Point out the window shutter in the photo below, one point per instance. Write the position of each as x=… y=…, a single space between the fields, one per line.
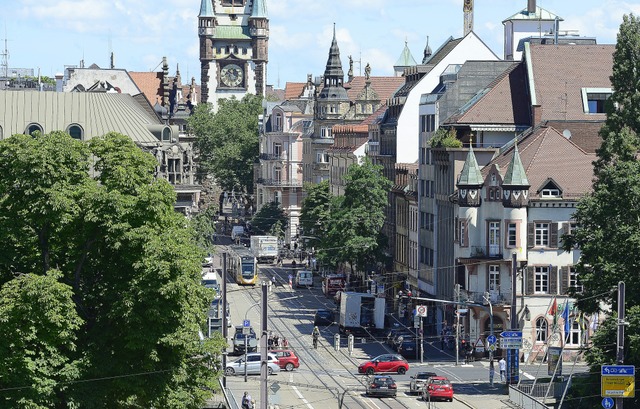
x=529 y=287
x=553 y=238
x=466 y=233
x=456 y=234
x=531 y=239
x=565 y=228
x=505 y=236
x=564 y=279
x=553 y=280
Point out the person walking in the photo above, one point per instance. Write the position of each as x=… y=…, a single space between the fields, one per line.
x=503 y=369
x=492 y=371
x=285 y=343
x=315 y=334
x=247 y=402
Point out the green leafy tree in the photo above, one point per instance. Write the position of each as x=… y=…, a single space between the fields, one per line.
x=129 y=258
x=267 y=217
x=356 y=218
x=444 y=138
x=315 y=211
x=38 y=335
x=608 y=219
x=204 y=227
x=227 y=141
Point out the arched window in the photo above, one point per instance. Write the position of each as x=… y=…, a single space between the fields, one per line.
x=75 y=131
x=33 y=128
x=166 y=134
x=542 y=329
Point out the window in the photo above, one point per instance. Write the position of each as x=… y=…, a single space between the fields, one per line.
x=463 y=233
x=494 y=238
x=541 y=280
x=542 y=329
x=277 y=174
x=574 y=280
x=33 y=128
x=494 y=278
x=277 y=122
x=166 y=134
x=174 y=171
x=277 y=149
x=322 y=157
x=233 y=2
x=75 y=131
x=545 y=193
x=594 y=99
x=575 y=334
x=512 y=235
x=325 y=132
x=542 y=234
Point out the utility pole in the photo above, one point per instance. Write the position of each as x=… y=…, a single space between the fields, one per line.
x=620 y=337
x=264 y=372
x=457 y=295
x=225 y=334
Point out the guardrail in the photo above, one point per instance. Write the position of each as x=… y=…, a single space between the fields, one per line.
x=523 y=400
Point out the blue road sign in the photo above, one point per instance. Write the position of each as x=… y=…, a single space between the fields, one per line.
x=511 y=334
x=626 y=370
x=246 y=323
x=607 y=403
x=492 y=339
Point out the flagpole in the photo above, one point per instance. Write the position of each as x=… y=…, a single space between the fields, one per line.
x=546 y=342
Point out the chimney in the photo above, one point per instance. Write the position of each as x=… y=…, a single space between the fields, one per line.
x=59 y=82
x=531 y=6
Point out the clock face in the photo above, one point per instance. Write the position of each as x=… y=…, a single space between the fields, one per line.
x=231 y=75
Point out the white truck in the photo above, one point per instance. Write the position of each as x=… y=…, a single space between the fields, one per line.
x=265 y=248
x=360 y=313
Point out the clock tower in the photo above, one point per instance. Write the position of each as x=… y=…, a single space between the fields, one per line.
x=234 y=37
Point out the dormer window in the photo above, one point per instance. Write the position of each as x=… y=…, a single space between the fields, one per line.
x=550 y=190
x=594 y=99
x=555 y=193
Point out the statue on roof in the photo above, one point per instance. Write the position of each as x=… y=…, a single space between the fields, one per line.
x=350 y=73
x=367 y=71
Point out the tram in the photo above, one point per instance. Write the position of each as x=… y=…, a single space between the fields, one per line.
x=242 y=265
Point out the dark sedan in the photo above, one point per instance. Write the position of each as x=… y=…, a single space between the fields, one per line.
x=382 y=385
x=323 y=317
x=408 y=348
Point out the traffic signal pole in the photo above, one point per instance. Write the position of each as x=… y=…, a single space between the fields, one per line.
x=620 y=335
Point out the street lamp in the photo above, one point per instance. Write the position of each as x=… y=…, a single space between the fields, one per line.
x=246 y=338
x=487 y=298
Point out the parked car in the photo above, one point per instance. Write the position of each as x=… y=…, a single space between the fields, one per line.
x=382 y=385
x=395 y=333
x=238 y=341
x=408 y=348
x=323 y=317
x=287 y=359
x=385 y=363
x=438 y=387
x=419 y=380
x=402 y=336
x=253 y=365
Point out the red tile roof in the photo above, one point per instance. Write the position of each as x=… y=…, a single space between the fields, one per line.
x=293 y=90
x=561 y=71
x=149 y=83
x=385 y=87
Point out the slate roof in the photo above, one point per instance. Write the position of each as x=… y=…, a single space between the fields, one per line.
x=385 y=87
x=559 y=72
x=503 y=102
x=96 y=113
x=206 y=9
x=546 y=154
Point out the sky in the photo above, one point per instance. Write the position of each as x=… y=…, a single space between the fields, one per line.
x=47 y=35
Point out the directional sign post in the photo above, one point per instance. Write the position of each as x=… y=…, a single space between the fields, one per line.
x=617 y=381
x=511 y=334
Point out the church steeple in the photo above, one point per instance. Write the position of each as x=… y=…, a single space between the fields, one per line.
x=206 y=9
x=515 y=185
x=333 y=74
x=259 y=9
x=470 y=182
x=405 y=60
x=427 y=52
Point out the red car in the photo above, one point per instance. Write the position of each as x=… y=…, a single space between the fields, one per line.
x=287 y=359
x=438 y=387
x=385 y=363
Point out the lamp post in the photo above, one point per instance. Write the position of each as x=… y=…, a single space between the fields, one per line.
x=487 y=298
x=246 y=339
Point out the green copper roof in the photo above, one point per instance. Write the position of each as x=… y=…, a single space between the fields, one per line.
x=206 y=9
x=515 y=175
x=471 y=174
x=259 y=9
x=233 y=32
x=406 y=59
x=540 y=14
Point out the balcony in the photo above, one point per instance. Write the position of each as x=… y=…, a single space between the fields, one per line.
x=321 y=166
x=272 y=156
x=279 y=183
x=481 y=252
x=496 y=297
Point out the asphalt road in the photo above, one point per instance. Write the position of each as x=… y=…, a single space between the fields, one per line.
x=325 y=375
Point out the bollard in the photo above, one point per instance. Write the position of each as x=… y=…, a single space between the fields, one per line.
x=350 y=344
x=336 y=342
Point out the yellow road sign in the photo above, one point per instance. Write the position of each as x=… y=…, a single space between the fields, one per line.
x=618 y=386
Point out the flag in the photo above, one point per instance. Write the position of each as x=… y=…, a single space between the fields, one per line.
x=594 y=321
x=565 y=317
x=553 y=311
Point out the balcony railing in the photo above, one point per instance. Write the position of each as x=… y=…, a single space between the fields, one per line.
x=272 y=156
x=482 y=253
x=321 y=166
x=496 y=297
x=279 y=183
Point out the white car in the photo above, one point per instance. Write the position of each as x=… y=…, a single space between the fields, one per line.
x=253 y=365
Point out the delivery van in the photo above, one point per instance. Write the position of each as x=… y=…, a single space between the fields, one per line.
x=304 y=278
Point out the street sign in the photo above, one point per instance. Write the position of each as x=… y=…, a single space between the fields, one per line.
x=492 y=348
x=607 y=403
x=617 y=370
x=274 y=387
x=491 y=339
x=511 y=343
x=618 y=386
x=511 y=334
x=421 y=310
x=479 y=345
x=246 y=323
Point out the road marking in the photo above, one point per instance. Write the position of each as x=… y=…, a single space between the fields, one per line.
x=527 y=375
x=301 y=397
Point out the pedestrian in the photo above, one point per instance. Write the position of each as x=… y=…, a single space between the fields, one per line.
x=492 y=372
x=285 y=343
x=503 y=369
x=276 y=341
x=247 y=402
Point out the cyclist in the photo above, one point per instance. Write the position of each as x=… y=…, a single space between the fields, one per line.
x=316 y=335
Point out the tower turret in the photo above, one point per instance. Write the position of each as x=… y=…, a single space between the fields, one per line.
x=470 y=182
x=515 y=185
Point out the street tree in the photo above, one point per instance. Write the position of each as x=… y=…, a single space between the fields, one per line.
x=227 y=141
x=270 y=214
x=314 y=213
x=608 y=218
x=129 y=259
x=357 y=217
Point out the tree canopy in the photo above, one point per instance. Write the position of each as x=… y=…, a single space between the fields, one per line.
x=270 y=220
x=314 y=214
x=91 y=240
x=608 y=219
x=227 y=141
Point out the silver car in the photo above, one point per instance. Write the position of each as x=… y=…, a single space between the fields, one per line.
x=419 y=380
x=253 y=365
